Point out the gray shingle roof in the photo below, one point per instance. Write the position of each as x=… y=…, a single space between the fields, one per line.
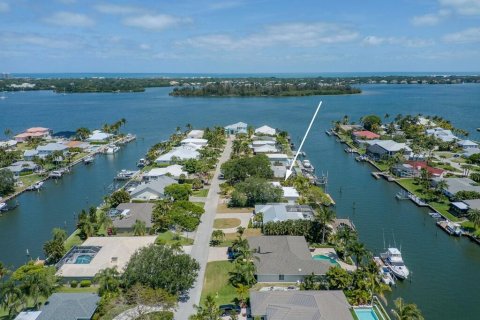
x=157 y=186
x=136 y=211
x=300 y=305
x=286 y=255
x=69 y=306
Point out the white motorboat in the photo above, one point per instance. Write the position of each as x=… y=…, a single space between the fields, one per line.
x=36 y=186
x=3 y=206
x=112 y=149
x=394 y=261
x=56 y=174
x=88 y=160
x=125 y=174
x=141 y=163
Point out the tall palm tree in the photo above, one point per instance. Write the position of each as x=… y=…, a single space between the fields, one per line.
x=406 y=311
x=218 y=236
x=139 y=228
x=242 y=292
x=209 y=311
x=108 y=280
x=324 y=216
x=7 y=132
x=474 y=217
x=358 y=250
x=13 y=298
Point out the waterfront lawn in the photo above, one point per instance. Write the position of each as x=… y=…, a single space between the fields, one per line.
x=168 y=238
x=200 y=193
x=217 y=283
x=442 y=207
x=468 y=225
x=73 y=240
x=382 y=165
x=28 y=180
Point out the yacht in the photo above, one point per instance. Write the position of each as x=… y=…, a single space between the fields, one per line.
x=125 y=175
x=36 y=186
x=56 y=174
x=112 y=149
x=393 y=260
x=88 y=160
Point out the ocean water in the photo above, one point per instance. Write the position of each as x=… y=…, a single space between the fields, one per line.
x=445 y=277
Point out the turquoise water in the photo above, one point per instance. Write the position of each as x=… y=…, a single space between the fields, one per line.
x=322 y=257
x=366 y=314
x=433 y=258
x=83 y=259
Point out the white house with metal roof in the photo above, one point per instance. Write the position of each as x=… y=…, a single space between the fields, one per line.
x=195 y=134
x=379 y=149
x=236 y=128
x=195 y=141
x=467 y=144
x=99 y=136
x=50 y=148
x=265 y=130
x=442 y=134
x=175 y=170
x=180 y=153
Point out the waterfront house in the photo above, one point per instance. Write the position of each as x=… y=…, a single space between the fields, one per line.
x=35 y=132
x=7 y=145
x=267 y=148
x=289 y=193
x=125 y=215
x=350 y=127
x=195 y=134
x=99 y=136
x=467 y=144
x=279 y=170
x=98 y=253
x=194 y=141
x=22 y=167
x=266 y=131
x=28 y=155
x=236 y=128
x=275 y=212
x=425 y=122
x=284 y=259
x=262 y=142
x=305 y=305
x=442 y=134
x=278 y=158
x=152 y=190
x=459 y=208
x=77 y=144
x=174 y=171
x=49 y=148
x=64 y=306
x=455 y=185
x=364 y=135
x=380 y=149
x=180 y=153
x=412 y=169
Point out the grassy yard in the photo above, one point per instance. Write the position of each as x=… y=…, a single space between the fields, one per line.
x=200 y=193
x=200 y=204
x=168 y=238
x=229 y=237
x=217 y=283
x=73 y=240
x=226 y=223
x=28 y=180
x=441 y=207
x=68 y=289
x=223 y=208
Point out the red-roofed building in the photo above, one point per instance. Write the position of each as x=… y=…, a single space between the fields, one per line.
x=435 y=172
x=36 y=132
x=365 y=135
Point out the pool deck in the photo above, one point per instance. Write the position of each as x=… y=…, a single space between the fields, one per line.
x=331 y=253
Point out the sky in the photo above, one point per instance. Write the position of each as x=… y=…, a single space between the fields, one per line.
x=239 y=36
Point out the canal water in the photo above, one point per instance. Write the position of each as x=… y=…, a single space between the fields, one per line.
x=445 y=270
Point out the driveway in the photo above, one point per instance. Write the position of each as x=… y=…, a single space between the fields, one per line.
x=200 y=248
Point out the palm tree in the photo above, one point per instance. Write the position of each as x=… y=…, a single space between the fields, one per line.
x=406 y=311
x=7 y=132
x=242 y=292
x=209 y=311
x=13 y=298
x=188 y=126
x=218 y=236
x=108 y=280
x=324 y=216
x=241 y=230
x=139 y=228
x=358 y=250
x=474 y=217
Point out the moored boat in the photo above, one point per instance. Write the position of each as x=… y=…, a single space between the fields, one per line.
x=35 y=186
x=88 y=160
x=450 y=227
x=125 y=174
x=141 y=163
x=112 y=149
x=55 y=174
x=394 y=261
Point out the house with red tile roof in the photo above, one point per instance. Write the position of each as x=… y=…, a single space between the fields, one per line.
x=365 y=135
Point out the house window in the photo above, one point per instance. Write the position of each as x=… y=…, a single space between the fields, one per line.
x=281 y=277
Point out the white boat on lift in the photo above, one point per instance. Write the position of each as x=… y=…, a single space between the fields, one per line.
x=112 y=149
x=394 y=261
x=88 y=160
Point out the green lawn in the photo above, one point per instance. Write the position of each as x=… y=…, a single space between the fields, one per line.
x=68 y=289
x=200 y=204
x=28 y=180
x=73 y=240
x=226 y=223
x=200 y=193
x=217 y=283
x=168 y=238
x=441 y=207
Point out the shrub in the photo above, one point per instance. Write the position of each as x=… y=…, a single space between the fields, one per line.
x=85 y=283
x=73 y=284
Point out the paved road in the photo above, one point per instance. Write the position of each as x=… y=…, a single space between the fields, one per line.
x=201 y=243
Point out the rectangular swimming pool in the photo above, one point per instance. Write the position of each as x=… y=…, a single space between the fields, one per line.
x=366 y=314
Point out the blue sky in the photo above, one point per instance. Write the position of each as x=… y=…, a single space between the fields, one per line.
x=239 y=36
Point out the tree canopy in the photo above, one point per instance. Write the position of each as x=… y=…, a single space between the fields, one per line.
x=254 y=191
x=237 y=170
x=7 y=182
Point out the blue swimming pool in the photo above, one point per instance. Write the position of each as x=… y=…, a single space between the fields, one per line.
x=325 y=258
x=83 y=259
x=366 y=314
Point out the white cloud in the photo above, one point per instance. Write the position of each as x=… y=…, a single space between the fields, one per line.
x=289 y=34
x=4 y=7
x=464 y=7
x=116 y=9
x=70 y=19
x=33 y=39
x=430 y=19
x=155 y=22
x=225 y=5
x=470 y=35
x=399 y=41
x=145 y=46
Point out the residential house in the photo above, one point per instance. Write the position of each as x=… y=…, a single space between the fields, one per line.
x=152 y=190
x=304 y=305
x=195 y=134
x=289 y=193
x=77 y=144
x=467 y=144
x=236 y=128
x=259 y=143
x=267 y=148
x=358 y=136
x=194 y=141
x=455 y=185
x=28 y=155
x=279 y=170
x=9 y=144
x=125 y=215
x=278 y=158
x=442 y=134
x=19 y=167
x=36 y=132
x=265 y=130
x=380 y=149
x=65 y=306
x=175 y=171
x=284 y=259
x=412 y=169
x=425 y=122
x=99 y=136
x=275 y=212
x=179 y=153
x=48 y=149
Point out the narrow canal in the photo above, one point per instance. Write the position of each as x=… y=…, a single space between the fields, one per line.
x=445 y=270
